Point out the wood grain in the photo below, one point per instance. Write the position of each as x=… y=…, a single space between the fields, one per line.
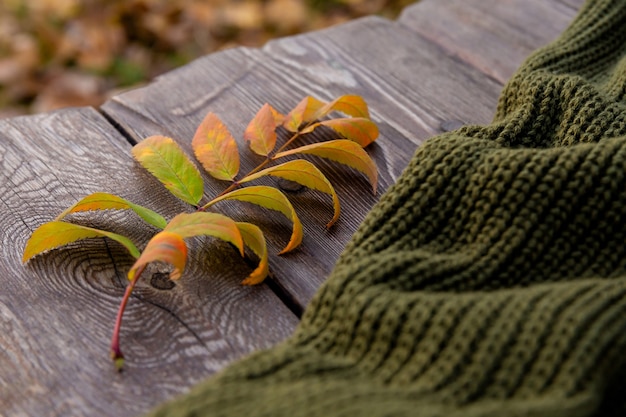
x=412 y=88
x=495 y=36
x=57 y=312
x=574 y=4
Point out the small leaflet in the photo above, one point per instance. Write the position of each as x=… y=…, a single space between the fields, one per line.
x=164 y=247
x=343 y=151
x=164 y=159
x=216 y=149
x=271 y=198
x=54 y=234
x=305 y=173
x=261 y=132
x=254 y=239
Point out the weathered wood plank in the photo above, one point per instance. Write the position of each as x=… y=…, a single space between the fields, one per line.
x=495 y=36
x=574 y=4
x=412 y=87
x=57 y=312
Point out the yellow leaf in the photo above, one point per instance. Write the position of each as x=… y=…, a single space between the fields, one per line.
x=304 y=112
x=261 y=132
x=343 y=151
x=106 y=201
x=54 y=234
x=305 y=173
x=358 y=129
x=254 y=239
x=216 y=149
x=271 y=198
x=164 y=247
x=169 y=164
x=208 y=224
x=279 y=118
x=352 y=105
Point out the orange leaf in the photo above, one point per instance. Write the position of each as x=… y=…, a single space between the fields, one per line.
x=261 y=131
x=209 y=224
x=343 y=151
x=358 y=129
x=352 y=105
x=216 y=148
x=163 y=247
x=304 y=112
x=254 y=239
x=53 y=234
x=169 y=164
x=305 y=173
x=271 y=198
x=106 y=201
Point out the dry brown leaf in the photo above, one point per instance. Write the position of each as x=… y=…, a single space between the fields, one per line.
x=40 y=39
x=286 y=15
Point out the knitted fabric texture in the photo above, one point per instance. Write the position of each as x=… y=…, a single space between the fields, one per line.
x=490 y=280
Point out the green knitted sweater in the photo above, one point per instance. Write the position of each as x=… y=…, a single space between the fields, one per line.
x=490 y=280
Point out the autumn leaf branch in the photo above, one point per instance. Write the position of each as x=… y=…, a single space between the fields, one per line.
x=216 y=150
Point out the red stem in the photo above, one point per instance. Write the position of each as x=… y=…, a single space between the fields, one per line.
x=116 y=352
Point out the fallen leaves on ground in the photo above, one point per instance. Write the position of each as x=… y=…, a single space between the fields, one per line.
x=59 y=53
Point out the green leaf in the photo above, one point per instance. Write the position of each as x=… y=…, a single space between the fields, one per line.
x=343 y=151
x=271 y=198
x=164 y=247
x=254 y=239
x=106 y=201
x=208 y=224
x=169 y=164
x=54 y=234
x=305 y=173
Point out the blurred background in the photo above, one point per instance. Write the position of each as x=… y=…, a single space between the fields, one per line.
x=59 y=53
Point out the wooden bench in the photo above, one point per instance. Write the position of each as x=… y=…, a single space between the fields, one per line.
x=440 y=65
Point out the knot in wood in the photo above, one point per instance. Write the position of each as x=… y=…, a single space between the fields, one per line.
x=162 y=281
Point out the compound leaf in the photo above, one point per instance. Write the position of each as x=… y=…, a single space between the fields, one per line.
x=254 y=239
x=305 y=173
x=216 y=149
x=164 y=247
x=271 y=198
x=343 y=151
x=169 y=164
x=106 y=201
x=208 y=224
x=54 y=234
x=261 y=131
x=304 y=112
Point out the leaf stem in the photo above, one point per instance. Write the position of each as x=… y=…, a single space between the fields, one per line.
x=289 y=141
x=116 y=352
